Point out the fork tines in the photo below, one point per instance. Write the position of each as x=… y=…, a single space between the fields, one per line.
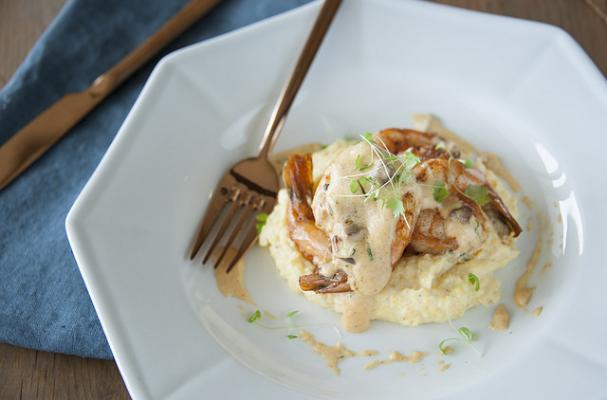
x=231 y=211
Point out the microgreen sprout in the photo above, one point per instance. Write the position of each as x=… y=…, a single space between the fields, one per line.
x=368 y=136
x=480 y=194
x=397 y=169
x=289 y=325
x=395 y=204
x=254 y=317
x=468 y=163
x=474 y=281
x=358 y=163
x=466 y=335
x=442 y=347
x=261 y=218
x=440 y=191
x=440 y=146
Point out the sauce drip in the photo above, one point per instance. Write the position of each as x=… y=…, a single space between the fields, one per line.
x=443 y=366
x=232 y=284
x=493 y=162
x=528 y=202
x=332 y=354
x=522 y=292
x=396 y=356
x=362 y=232
x=501 y=319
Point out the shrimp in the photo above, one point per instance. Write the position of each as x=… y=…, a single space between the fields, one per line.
x=458 y=179
x=441 y=163
x=422 y=144
x=429 y=236
x=398 y=140
x=311 y=241
x=404 y=230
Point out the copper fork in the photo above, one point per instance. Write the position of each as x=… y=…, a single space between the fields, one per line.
x=250 y=186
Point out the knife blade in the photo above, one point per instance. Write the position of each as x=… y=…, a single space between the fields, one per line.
x=48 y=127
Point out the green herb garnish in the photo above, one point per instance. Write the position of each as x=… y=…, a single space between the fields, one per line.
x=370 y=253
x=440 y=146
x=292 y=313
x=442 y=347
x=398 y=169
x=473 y=279
x=261 y=218
x=368 y=136
x=292 y=336
x=254 y=317
x=466 y=334
x=409 y=160
x=440 y=191
x=358 y=163
x=468 y=163
x=396 y=205
x=480 y=194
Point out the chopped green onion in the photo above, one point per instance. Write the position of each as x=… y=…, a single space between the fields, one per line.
x=440 y=192
x=292 y=336
x=254 y=317
x=292 y=313
x=473 y=279
x=353 y=186
x=480 y=194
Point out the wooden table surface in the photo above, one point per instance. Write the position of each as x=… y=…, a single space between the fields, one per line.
x=31 y=374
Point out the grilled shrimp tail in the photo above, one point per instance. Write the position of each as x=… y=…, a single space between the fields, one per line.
x=312 y=242
x=504 y=213
x=404 y=228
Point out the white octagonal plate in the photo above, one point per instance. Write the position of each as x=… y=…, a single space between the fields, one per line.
x=523 y=90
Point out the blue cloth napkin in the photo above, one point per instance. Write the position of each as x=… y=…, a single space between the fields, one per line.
x=43 y=302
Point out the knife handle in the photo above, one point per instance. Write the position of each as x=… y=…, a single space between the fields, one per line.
x=110 y=80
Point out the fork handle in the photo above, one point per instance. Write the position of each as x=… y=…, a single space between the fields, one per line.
x=277 y=120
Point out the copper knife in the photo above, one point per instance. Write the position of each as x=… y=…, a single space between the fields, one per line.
x=29 y=143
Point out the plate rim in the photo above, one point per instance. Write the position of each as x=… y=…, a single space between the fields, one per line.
x=75 y=223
